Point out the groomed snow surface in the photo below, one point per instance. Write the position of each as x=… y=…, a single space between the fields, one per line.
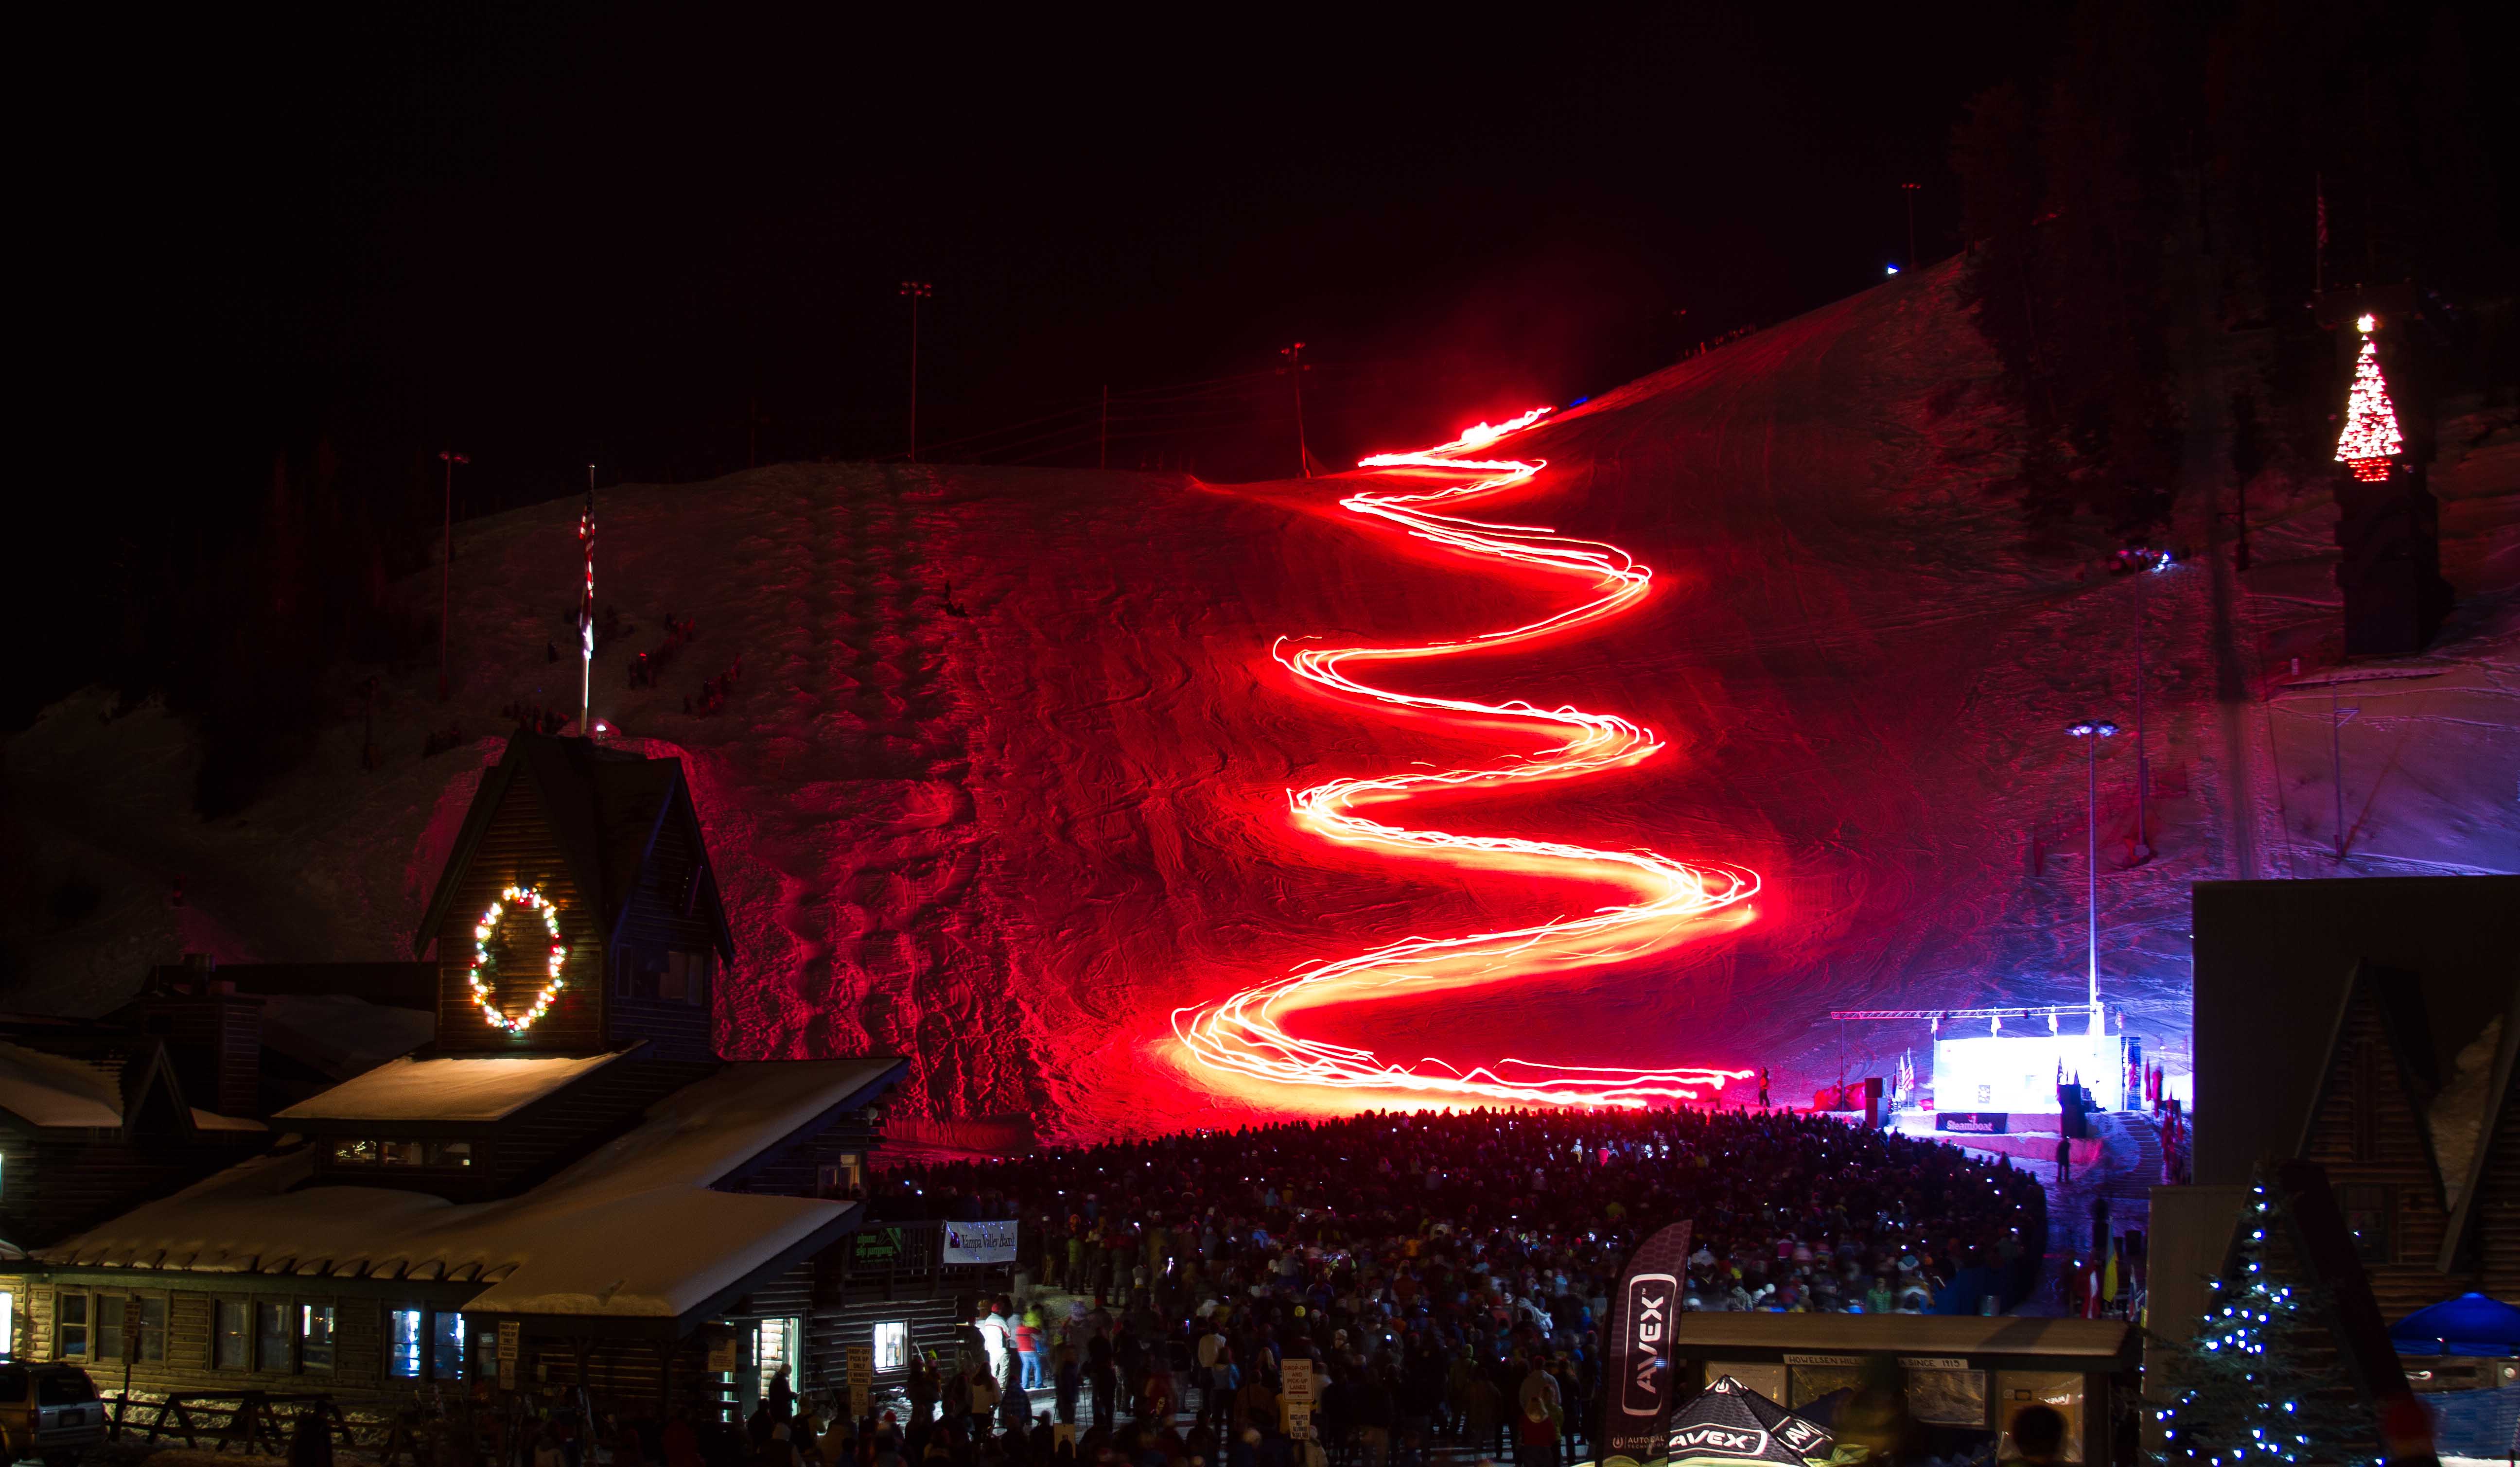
x=1009 y=842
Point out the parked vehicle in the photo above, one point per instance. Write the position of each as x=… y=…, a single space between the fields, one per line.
x=49 y=1412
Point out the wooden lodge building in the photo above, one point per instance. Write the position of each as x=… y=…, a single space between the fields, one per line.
x=564 y=1186
x=2359 y=1041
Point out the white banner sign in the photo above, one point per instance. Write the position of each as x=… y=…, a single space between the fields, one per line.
x=980 y=1242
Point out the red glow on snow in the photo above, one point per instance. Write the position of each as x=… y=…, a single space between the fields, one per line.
x=1239 y=1040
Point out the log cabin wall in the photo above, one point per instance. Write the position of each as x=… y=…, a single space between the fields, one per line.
x=544 y=1137
x=517 y=848
x=670 y=909
x=2367 y=1133
x=183 y=1354
x=2493 y=1222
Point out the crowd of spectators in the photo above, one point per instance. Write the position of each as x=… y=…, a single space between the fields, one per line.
x=1443 y=1274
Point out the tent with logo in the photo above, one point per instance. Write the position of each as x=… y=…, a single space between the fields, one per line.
x=1728 y=1424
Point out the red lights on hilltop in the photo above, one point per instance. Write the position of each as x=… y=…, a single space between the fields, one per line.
x=1239 y=1040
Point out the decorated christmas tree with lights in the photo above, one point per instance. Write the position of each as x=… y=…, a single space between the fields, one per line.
x=2258 y=1384
x=2370 y=436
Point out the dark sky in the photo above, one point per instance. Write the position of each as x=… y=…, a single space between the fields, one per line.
x=533 y=231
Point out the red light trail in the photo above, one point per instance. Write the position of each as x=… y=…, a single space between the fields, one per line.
x=1239 y=1039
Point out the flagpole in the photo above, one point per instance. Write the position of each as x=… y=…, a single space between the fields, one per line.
x=586 y=616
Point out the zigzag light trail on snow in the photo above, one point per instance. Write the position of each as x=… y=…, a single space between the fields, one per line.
x=1241 y=1036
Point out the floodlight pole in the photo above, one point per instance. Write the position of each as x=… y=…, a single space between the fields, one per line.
x=586 y=618
x=1294 y=356
x=916 y=291
x=2153 y=562
x=446 y=569
x=2094 y=730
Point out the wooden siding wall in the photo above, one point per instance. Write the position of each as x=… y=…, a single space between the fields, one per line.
x=623 y=1375
x=216 y=1044
x=2367 y=1132
x=517 y=848
x=837 y=1316
x=55 y=1182
x=358 y=1342
x=935 y=1324
x=2494 y=1229
x=583 y=1117
x=796 y=1170
x=654 y=917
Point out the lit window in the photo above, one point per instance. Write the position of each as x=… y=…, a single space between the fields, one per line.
x=446 y=1336
x=8 y=1324
x=355 y=1153
x=274 y=1336
x=232 y=1349
x=776 y=1352
x=404 y=1360
x=315 y=1336
x=892 y=1345
x=70 y=1326
x=840 y=1175
x=108 y=1326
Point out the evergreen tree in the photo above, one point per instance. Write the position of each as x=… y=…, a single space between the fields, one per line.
x=2257 y=1385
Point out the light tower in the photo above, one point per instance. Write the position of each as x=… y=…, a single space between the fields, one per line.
x=2094 y=730
x=1295 y=368
x=915 y=291
x=586 y=616
x=446 y=569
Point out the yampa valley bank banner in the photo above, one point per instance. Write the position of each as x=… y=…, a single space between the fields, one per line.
x=980 y=1242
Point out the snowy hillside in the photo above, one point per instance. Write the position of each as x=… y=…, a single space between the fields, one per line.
x=1002 y=780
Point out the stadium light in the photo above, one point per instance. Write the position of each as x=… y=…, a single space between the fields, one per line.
x=2094 y=730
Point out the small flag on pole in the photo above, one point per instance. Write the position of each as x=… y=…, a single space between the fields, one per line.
x=586 y=614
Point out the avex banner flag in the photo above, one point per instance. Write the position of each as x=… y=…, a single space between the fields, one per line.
x=1730 y=1423
x=1644 y=1314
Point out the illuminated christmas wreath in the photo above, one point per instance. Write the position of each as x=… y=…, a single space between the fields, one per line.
x=484 y=966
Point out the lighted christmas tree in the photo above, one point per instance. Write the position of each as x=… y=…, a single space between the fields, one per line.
x=2370 y=436
x=2258 y=1383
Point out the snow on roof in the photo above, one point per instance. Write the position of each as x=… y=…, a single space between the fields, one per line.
x=447 y=1088
x=53 y=1090
x=203 y=1120
x=631 y=1229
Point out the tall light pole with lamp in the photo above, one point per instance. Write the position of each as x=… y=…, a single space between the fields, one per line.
x=1909 y=189
x=915 y=290
x=446 y=570
x=2148 y=563
x=1294 y=356
x=2094 y=730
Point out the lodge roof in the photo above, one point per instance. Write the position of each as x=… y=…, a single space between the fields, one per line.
x=632 y=1231
x=95 y=1085
x=448 y=1088
x=604 y=806
x=2300 y=948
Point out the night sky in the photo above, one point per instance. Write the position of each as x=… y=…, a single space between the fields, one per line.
x=283 y=260
x=539 y=231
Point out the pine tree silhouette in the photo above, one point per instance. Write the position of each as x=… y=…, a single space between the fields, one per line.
x=2258 y=1384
